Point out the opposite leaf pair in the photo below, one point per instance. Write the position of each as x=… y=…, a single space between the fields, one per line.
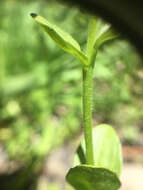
x=66 y=42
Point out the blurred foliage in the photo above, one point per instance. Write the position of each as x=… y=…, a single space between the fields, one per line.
x=37 y=81
x=40 y=88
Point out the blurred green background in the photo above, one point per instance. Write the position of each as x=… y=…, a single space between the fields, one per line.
x=40 y=90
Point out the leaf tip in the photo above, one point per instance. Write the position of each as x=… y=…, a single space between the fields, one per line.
x=34 y=15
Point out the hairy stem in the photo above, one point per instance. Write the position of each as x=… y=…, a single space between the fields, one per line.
x=87 y=112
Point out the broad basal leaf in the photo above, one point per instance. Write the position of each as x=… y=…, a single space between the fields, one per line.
x=86 y=177
x=107 y=149
x=61 y=38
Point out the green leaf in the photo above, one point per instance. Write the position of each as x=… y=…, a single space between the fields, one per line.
x=104 y=33
x=61 y=38
x=98 y=34
x=107 y=149
x=86 y=177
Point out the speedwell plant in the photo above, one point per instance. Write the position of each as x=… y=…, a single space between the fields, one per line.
x=98 y=160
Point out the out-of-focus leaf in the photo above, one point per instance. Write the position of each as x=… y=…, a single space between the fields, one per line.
x=61 y=38
x=17 y=85
x=86 y=177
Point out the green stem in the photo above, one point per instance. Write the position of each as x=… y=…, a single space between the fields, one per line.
x=87 y=112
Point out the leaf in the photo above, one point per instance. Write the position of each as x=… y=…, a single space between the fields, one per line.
x=98 y=34
x=61 y=38
x=107 y=149
x=86 y=177
x=104 y=33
